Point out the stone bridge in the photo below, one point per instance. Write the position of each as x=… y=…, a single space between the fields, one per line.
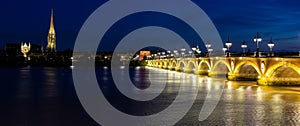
x=266 y=71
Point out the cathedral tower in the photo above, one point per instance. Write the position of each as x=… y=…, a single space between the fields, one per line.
x=51 y=47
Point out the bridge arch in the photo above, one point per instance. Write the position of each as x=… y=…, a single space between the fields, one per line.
x=204 y=62
x=192 y=66
x=272 y=70
x=166 y=64
x=157 y=63
x=181 y=65
x=219 y=62
x=243 y=63
x=174 y=64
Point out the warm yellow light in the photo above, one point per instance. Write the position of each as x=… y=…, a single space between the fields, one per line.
x=229 y=85
x=259 y=89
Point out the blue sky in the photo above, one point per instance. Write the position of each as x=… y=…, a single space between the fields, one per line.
x=239 y=19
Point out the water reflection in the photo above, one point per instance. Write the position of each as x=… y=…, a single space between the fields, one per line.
x=41 y=96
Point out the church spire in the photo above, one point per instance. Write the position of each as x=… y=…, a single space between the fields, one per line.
x=52 y=30
x=51 y=47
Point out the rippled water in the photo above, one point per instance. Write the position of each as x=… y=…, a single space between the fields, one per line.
x=36 y=96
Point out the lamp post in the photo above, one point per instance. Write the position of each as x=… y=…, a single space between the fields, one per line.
x=271 y=45
x=168 y=54
x=244 y=46
x=190 y=53
x=175 y=53
x=224 y=50
x=183 y=52
x=228 y=44
x=257 y=39
x=163 y=55
x=159 y=54
x=208 y=46
x=210 y=50
x=196 y=50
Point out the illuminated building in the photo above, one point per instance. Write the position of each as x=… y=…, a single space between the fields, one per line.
x=25 y=48
x=51 y=47
x=15 y=49
x=144 y=54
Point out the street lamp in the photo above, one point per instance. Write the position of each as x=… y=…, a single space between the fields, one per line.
x=183 y=52
x=208 y=46
x=271 y=45
x=198 y=51
x=224 y=50
x=228 y=44
x=244 y=46
x=194 y=48
x=175 y=51
x=209 y=51
x=159 y=55
x=257 y=39
x=190 y=52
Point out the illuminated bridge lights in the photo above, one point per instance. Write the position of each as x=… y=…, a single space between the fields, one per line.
x=236 y=68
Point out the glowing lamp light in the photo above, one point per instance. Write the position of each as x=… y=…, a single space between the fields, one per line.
x=194 y=48
x=224 y=49
x=244 y=45
x=271 y=45
x=257 y=39
x=228 y=44
x=175 y=51
x=207 y=45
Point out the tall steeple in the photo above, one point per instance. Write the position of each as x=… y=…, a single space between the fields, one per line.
x=51 y=47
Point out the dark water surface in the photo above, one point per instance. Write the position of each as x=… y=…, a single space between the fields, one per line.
x=42 y=96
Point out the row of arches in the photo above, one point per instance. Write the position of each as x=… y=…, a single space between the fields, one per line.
x=244 y=69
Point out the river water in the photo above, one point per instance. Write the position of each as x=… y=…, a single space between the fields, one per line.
x=42 y=96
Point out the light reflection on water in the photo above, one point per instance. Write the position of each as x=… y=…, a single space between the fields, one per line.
x=243 y=103
x=42 y=96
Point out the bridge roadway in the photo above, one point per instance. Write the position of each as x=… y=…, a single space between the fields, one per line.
x=266 y=71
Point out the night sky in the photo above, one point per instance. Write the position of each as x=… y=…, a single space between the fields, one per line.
x=28 y=21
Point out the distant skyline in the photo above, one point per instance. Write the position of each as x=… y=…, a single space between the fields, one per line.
x=28 y=21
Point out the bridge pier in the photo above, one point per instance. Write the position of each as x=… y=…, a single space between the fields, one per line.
x=202 y=72
x=178 y=69
x=172 y=68
x=231 y=77
x=187 y=70
x=279 y=82
x=237 y=77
